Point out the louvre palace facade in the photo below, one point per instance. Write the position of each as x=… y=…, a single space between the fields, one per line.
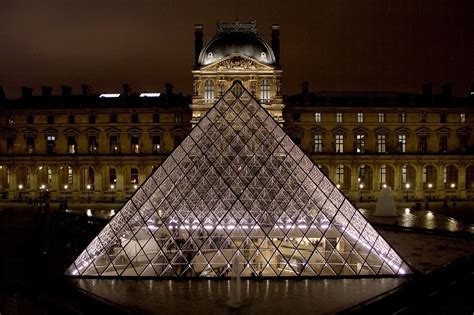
x=92 y=147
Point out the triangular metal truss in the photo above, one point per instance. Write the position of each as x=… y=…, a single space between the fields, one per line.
x=237 y=196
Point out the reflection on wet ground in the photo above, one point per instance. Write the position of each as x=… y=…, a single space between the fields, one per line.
x=420 y=219
x=257 y=296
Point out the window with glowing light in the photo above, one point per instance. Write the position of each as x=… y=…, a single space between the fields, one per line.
x=134 y=176
x=360 y=143
x=381 y=144
x=339 y=143
x=209 y=91
x=265 y=90
x=318 y=143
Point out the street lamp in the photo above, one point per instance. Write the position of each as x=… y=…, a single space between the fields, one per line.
x=65 y=196
x=112 y=187
x=407 y=186
x=453 y=185
x=430 y=185
x=88 y=193
x=338 y=186
x=20 y=187
x=361 y=186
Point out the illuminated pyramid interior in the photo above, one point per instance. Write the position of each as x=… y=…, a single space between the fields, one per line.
x=238 y=196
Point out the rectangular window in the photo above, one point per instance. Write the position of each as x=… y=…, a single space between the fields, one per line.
x=209 y=91
x=177 y=140
x=113 y=118
x=403 y=174
x=134 y=176
x=71 y=145
x=425 y=174
x=423 y=117
x=445 y=175
x=443 y=143
x=442 y=118
x=383 y=174
x=10 y=145
x=317 y=117
x=296 y=137
x=134 y=118
x=318 y=143
x=93 y=148
x=156 y=118
x=112 y=176
x=30 y=119
x=114 y=146
x=381 y=118
x=422 y=143
x=361 y=177
x=340 y=174
x=177 y=118
x=339 y=143
x=69 y=175
x=403 y=117
x=51 y=144
x=463 y=142
x=265 y=90
x=156 y=144
x=462 y=117
x=402 y=143
x=91 y=119
x=339 y=117
x=71 y=119
x=135 y=145
x=49 y=173
x=360 y=143
x=30 y=145
x=381 y=144
x=50 y=119
x=360 y=117
x=296 y=117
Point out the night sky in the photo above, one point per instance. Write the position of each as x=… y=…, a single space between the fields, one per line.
x=358 y=45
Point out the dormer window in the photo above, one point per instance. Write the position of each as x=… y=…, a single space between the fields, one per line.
x=263 y=55
x=210 y=55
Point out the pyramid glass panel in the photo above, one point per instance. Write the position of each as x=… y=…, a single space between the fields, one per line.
x=238 y=197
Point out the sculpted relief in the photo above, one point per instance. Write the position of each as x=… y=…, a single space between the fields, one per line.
x=236 y=63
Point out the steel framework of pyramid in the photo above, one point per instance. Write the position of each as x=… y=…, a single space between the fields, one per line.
x=237 y=196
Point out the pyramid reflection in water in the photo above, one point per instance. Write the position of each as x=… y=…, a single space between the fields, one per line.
x=238 y=191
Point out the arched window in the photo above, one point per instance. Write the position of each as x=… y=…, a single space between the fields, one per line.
x=265 y=90
x=208 y=90
x=112 y=176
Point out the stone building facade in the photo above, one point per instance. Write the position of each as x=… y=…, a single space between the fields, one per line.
x=92 y=148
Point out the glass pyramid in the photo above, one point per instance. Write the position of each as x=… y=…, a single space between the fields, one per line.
x=237 y=196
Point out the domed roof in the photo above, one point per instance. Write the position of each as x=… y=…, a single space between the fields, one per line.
x=234 y=38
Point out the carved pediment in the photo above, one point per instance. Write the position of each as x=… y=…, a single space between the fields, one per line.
x=237 y=62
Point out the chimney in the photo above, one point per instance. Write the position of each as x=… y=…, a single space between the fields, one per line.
x=86 y=90
x=169 y=88
x=447 y=90
x=3 y=97
x=127 y=90
x=26 y=92
x=427 y=89
x=66 y=90
x=46 y=91
x=276 y=42
x=198 y=43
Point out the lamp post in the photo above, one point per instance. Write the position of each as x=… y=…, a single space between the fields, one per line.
x=112 y=187
x=407 y=186
x=41 y=198
x=20 y=187
x=88 y=193
x=453 y=185
x=65 y=196
x=430 y=185
x=361 y=186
